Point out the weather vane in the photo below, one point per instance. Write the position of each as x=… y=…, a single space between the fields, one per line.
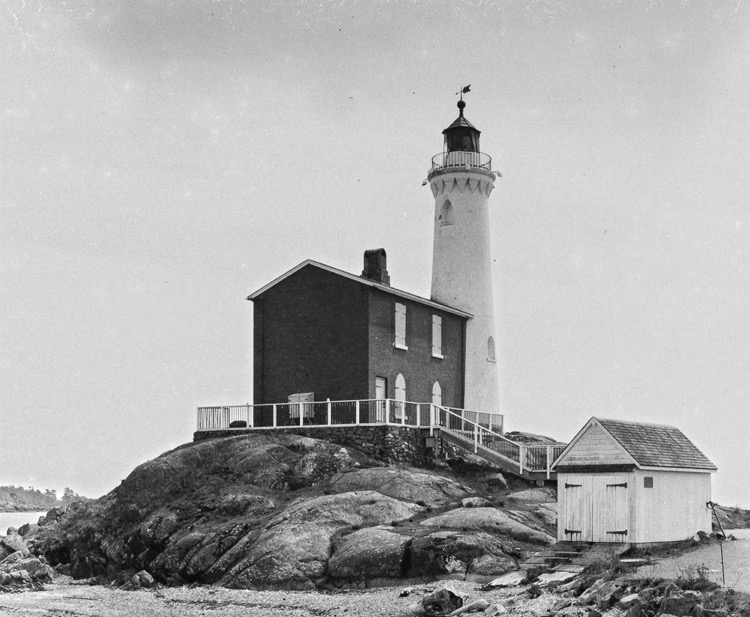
x=463 y=91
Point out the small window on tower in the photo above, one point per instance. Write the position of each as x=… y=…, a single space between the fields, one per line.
x=400 y=326
x=491 y=349
x=437 y=336
x=648 y=482
x=446 y=213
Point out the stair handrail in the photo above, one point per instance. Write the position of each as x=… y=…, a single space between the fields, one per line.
x=477 y=431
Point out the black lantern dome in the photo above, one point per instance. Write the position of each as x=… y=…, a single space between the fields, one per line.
x=461 y=135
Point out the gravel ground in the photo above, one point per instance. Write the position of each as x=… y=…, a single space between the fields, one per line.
x=736 y=562
x=73 y=600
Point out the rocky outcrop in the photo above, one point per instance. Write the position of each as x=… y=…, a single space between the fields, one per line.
x=399 y=483
x=489 y=520
x=18 y=568
x=283 y=511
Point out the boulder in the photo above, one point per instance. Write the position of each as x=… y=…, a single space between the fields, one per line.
x=292 y=552
x=607 y=595
x=27 y=529
x=535 y=495
x=628 y=601
x=442 y=601
x=444 y=552
x=678 y=602
x=402 y=484
x=488 y=519
x=140 y=580
x=370 y=553
x=14 y=543
x=496 y=480
x=475 y=502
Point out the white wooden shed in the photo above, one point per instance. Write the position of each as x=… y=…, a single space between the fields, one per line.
x=631 y=482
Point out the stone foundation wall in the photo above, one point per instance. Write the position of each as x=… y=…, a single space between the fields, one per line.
x=385 y=442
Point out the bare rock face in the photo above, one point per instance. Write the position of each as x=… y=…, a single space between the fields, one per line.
x=488 y=519
x=535 y=495
x=369 y=554
x=451 y=552
x=293 y=550
x=279 y=511
x=403 y=484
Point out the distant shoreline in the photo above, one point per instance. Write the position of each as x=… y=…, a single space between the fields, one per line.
x=22 y=509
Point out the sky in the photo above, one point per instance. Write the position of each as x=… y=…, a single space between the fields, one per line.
x=160 y=160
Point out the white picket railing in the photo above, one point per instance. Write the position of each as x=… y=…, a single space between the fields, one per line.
x=332 y=413
x=482 y=428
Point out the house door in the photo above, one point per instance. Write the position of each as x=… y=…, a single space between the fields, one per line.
x=381 y=393
x=596 y=509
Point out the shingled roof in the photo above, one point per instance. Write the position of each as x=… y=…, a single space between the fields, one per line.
x=656 y=445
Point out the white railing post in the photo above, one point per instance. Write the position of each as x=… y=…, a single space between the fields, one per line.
x=476 y=437
x=387 y=411
x=549 y=461
x=403 y=412
x=301 y=409
x=419 y=414
x=251 y=416
x=329 y=411
x=432 y=420
x=274 y=415
x=521 y=454
x=356 y=411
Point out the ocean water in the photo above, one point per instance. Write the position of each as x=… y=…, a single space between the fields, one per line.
x=16 y=519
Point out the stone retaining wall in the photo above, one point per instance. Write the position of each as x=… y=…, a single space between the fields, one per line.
x=385 y=442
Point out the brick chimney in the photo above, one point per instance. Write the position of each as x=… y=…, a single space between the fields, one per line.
x=375 y=269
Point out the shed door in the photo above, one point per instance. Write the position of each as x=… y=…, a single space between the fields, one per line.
x=577 y=520
x=596 y=508
x=611 y=511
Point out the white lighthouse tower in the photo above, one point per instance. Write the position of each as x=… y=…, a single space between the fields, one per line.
x=461 y=181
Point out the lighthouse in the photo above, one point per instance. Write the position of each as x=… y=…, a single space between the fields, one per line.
x=461 y=180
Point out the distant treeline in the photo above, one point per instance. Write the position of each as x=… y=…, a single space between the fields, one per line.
x=19 y=499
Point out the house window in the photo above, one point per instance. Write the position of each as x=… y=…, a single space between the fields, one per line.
x=491 y=349
x=437 y=394
x=446 y=213
x=400 y=338
x=437 y=336
x=400 y=396
x=648 y=482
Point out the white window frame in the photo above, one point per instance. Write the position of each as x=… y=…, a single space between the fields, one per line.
x=400 y=326
x=437 y=337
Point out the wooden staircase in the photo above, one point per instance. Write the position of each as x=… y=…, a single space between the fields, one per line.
x=492 y=456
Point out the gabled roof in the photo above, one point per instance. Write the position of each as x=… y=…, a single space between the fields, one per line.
x=363 y=281
x=650 y=445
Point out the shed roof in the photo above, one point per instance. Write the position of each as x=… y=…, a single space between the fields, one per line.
x=656 y=445
x=363 y=281
x=649 y=445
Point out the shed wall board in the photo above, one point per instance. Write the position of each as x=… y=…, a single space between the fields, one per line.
x=674 y=509
x=595 y=446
